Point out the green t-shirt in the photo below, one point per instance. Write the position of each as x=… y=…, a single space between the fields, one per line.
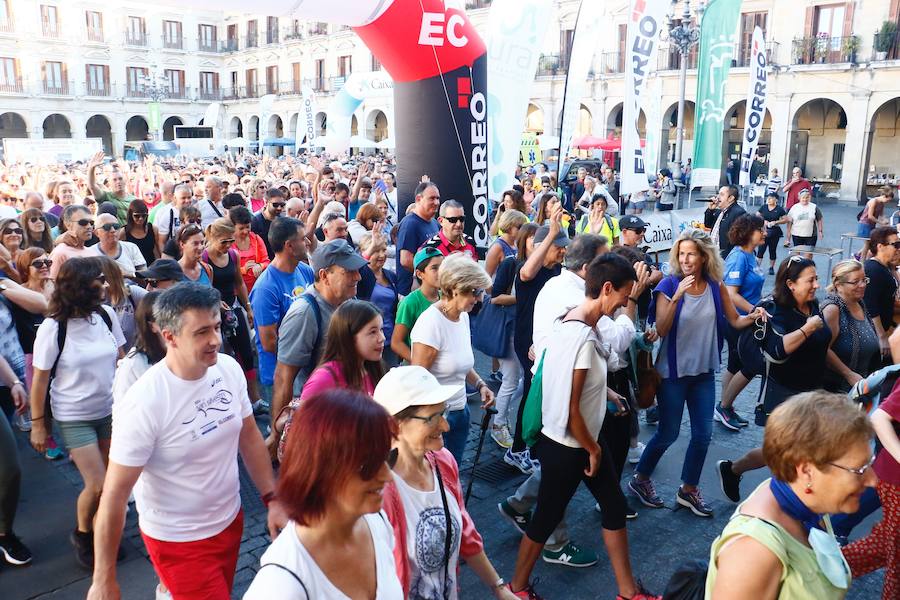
x=121 y=204
x=409 y=310
x=155 y=210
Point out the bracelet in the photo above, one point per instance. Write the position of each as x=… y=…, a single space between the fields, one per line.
x=804 y=333
x=15 y=383
x=633 y=299
x=480 y=384
x=38 y=418
x=266 y=498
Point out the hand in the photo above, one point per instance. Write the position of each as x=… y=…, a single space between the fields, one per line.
x=643 y=278
x=19 y=397
x=362 y=170
x=487 y=397
x=68 y=238
x=651 y=335
x=555 y=221
x=277 y=519
x=683 y=287
x=39 y=436
x=759 y=313
x=96 y=160
x=594 y=462
x=787 y=243
x=852 y=378
x=618 y=400
x=531 y=355
x=250 y=317
x=815 y=323
x=104 y=591
x=885 y=347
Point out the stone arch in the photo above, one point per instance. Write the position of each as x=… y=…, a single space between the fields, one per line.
x=376 y=125
x=57 y=126
x=321 y=122
x=235 y=128
x=585 y=122
x=99 y=126
x=823 y=120
x=884 y=145
x=168 y=128
x=136 y=129
x=534 y=119
x=13 y=125
x=293 y=122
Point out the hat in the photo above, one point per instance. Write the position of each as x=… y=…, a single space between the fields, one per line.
x=336 y=252
x=424 y=254
x=402 y=387
x=632 y=222
x=561 y=238
x=163 y=269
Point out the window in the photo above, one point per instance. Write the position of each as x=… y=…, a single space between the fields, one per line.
x=296 y=79
x=232 y=38
x=749 y=22
x=272 y=80
x=94 y=22
x=206 y=38
x=565 y=47
x=320 y=74
x=54 y=75
x=250 y=76
x=620 y=59
x=252 y=34
x=271 y=30
x=209 y=85
x=294 y=32
x=136 y=34
x=172 y=35
x=9 y=75
x=837 y=161
x=830 y=20
x=136 y=77
x=6 y=17
x=175 y=79
x=345 y=65
x=49 y=20
x=97 y=78
x=376 y=64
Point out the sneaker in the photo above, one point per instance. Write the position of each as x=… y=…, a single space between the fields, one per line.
x=771 y=270
x=496 y=376
x=741 y=421
x=471 y=392
x=729 y=481
x=645 y=492
x=54 y=453
x=527 y=594
x=570 y=555
x=652 y=415
x=84 y=548
x=641 y=594
x=162 y=593
x=520 y=460
x=630 y=512
x=519 y=520
x=724 y=416
x=13 y=550
x=694 y=501
x=23 y=422
x=260 y=408
x=634 y=454
x=501 y=435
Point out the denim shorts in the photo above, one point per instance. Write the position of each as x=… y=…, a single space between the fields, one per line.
x=76 y=434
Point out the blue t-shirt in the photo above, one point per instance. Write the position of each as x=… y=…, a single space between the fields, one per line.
x=414 y=231
x=742 y=271
x=271 y=297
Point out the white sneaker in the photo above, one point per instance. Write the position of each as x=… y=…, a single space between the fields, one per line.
x=162 y=593
x=501 y=435
x=634 y=454
x=23 y=422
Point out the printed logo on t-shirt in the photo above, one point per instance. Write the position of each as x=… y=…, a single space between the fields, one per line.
x=296 y=292
x=430 y=543
x=212 y=411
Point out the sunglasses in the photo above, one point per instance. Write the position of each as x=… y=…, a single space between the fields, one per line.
x=85 y=222
x=228 y=241
x=188 y=231
x=155 y=282
x=36 y=219
x=477 y=292
x=42 y=263
x=455 y=220
x=14 y=231
x=895 y=244
x=278 y=204
x=139 y=215
x=110 y=227
x=194 y=221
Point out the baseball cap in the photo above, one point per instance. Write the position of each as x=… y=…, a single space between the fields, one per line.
x=162 y=269
x=336 y=252
x=632 y=222
x=425 y=254
x=402 y=387
x=561 y=238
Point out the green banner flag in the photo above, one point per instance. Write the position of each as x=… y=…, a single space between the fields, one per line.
x=718 y=35
x=153 y=118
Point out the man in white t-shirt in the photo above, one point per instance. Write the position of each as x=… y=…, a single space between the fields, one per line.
x=126 y=254
x=167 y=220
x=178 y=431
x=211 y=207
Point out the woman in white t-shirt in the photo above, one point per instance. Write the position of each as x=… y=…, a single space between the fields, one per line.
x=441 y=342
x=338 y=544
x=82 y=370
x=803 y=220
x=149 y=348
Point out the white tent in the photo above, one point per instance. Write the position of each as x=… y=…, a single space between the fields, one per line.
x=237 y=142
x=387 y=142
x=548 y=142
x=358 y=141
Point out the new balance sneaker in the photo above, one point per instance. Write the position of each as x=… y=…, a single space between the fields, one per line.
x=726 y=416
x=501 y=435
x=54 y=453
x=13 y=550
x=570 y=555
x=652 y=415
x=520 y=460
x=519 y=520
x=645 y=492
x=641 y=594
x=729 y=480
x=694 y=501
x=634 y=454
x=527 y=594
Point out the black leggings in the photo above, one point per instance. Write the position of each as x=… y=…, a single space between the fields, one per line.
x=10 y=471
x=240 y=344
x=617 y=430
x=562 y=469
x=527 y=363
x=772 y=244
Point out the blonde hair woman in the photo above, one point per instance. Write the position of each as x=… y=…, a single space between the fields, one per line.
x=683 y=306
x=379 y=286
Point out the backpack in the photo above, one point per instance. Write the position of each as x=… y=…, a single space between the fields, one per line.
x=688 y=582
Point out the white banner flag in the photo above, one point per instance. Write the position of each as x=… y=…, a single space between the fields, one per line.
x=755 y=111
x=642 y=40
x=516 y=30
x=584 y=40
x=307 y=125
x=652 y=161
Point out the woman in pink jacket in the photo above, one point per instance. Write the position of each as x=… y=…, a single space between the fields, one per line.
x=425 y=494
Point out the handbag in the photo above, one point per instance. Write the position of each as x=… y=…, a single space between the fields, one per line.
x=532 y=416
x=688 y=582
x=491 y=330
x=648 y=379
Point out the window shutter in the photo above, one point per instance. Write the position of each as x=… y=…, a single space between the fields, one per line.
x=810 y=22
x=849 y=8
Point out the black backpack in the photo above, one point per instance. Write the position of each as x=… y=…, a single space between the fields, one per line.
x=688 y=582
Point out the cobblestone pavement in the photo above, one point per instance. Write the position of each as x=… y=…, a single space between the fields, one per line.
x=660 y=539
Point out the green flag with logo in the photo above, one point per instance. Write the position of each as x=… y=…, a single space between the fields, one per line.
x=153 y=118
x=718 y=35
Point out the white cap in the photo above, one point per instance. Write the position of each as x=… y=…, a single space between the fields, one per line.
x=402 y=387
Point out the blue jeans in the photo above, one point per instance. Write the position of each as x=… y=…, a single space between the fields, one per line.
x=863 y=230
x=843 y=524
x=699 y=393
x=455 y=439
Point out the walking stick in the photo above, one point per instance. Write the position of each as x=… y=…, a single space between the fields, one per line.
x=485 y=421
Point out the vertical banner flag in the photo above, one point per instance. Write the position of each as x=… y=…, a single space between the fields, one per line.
x=265 y=113
x=652 y=162
x=756 y=103
x=153 y=117
x=516 y=31
x=641 y=40
x=307 y=119
x=718 y=33
x=584 y=40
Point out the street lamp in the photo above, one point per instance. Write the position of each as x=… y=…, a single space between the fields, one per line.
x=156 y=88
x=683 y=35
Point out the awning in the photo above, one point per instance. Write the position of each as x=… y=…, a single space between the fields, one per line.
x=283 y=141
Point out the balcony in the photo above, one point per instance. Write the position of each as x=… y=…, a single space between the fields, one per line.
x=95 y=34
x=136 y=92
x=50 y=30
x=824 y=49
x=211 y=46
x=743 y=58
x=610 y=63
x=210 y=94
x=251 y=41
x=886 y=46
x=11 y=85
x=318 y=28
x=230 y=45
x=272 y=37
x=671 y=60
x=56 y=88
x=290 y=88
x=292 y=33
x=136 y=39
x=549 y=65
x=179 y=93
x=173 y=42
x=102 y=90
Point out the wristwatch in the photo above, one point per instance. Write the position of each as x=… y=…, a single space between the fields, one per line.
x=499 y=583
x=3 y=287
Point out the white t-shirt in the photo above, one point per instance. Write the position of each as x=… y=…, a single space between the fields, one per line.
x=185 y=436
x=129 y=370
x=82 y=387
x=165 y=218
x=210 y=211
x=129 y=259
x=804 y=219
x=288 y=551
x=426 y=528
x=451 y=339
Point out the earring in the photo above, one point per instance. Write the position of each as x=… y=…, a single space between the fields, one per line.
x=808 y=489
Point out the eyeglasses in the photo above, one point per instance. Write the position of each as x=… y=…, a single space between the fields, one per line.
x=108 y=227
x=477 y=292
x=863 y=281
x=860 y=471
x=42 y=263
x=455 y=220
x=36 y=219
x=85 y=222
x=432 y=420
x=895 y=244
x=13 y=231
x=101 y=278
x=155 y=282
x=194 y=221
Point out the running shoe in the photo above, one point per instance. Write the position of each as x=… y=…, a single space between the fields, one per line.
x=634 y=454
x=641 y=594
x=652 y=415
x=527 y=594
x=83 y=542
x=260 y=407
x=645 y=492
x=729 y=480
x=13 y=550
x=502 y=436
x=23 y=422
x=570 y=555
x=741 y=421
x=519 y=520
x=694 y=501
x=54 y=453
x=520 y=460
x=725 y=416
x=771 y=270
x=496 y=376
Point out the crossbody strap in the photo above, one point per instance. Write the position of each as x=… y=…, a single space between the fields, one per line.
x=294 y=575
x=448 y=534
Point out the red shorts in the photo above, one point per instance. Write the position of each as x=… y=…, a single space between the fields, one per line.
x=201 y=570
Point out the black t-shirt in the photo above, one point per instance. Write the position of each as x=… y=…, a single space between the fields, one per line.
x=27 y=324
x=804 y=369
x=880 y=292
x=526 y=295
x=259 y=225
x=772 y=215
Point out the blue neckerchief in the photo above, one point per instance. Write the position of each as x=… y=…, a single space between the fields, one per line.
x=791 y=504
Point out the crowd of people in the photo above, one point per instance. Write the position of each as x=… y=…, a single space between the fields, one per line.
x=160 y=319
